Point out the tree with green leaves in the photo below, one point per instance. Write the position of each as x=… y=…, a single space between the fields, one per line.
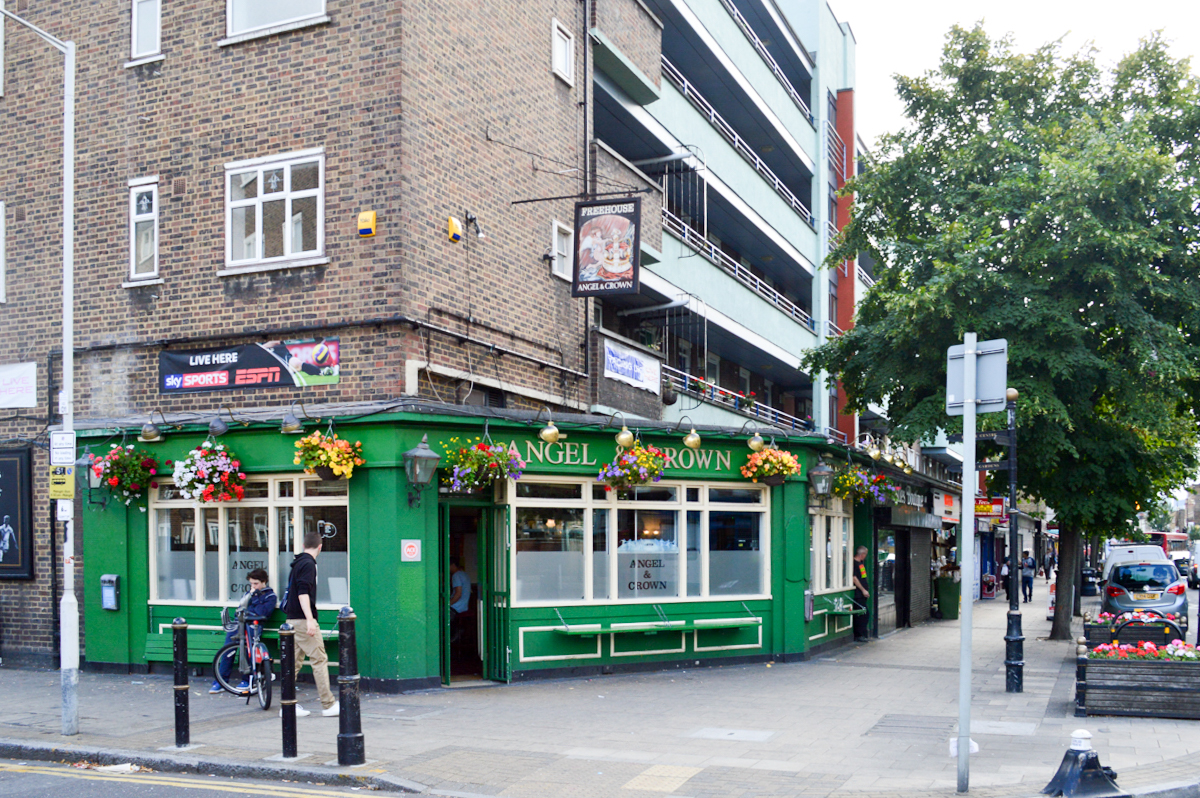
x=1160 y=516
x=1038 y=198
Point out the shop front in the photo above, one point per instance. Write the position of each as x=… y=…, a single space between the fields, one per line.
x=566 y=574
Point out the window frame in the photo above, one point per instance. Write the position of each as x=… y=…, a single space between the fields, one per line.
x=133 y=31
x=681 y=505
x=283 y=161
x=297 y=502
x=560 y=31
x=837 y=509
x=562 y=271
x=288 y=23
x=141 y=186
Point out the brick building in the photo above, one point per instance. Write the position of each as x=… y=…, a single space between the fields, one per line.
x=225 y=152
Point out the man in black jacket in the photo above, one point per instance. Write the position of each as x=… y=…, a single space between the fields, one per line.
x=301 y=610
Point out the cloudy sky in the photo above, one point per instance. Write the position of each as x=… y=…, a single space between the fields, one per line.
x=906 y=38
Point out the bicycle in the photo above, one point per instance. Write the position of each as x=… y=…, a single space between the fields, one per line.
x=248 y=656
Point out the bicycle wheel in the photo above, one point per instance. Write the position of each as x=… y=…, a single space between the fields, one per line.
x=262 y=673
x=230 y=654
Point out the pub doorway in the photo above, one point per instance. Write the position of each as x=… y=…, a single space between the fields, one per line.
x=473 y=637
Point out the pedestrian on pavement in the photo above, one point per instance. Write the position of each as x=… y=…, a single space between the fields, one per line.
x=301 y=610
x=1028 y=570
x=258 y=604
x=1004 y=577
x=1049 y=565
x=861 y=594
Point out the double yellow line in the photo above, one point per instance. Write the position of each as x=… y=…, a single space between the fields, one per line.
x=191 y=783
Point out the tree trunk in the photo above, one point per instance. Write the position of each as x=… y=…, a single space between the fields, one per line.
x=1068 y=569
x=1077 y=590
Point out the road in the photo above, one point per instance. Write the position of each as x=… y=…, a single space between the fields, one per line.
x=35 y=779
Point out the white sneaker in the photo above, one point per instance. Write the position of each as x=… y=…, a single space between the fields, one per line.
x=333 y=711
x=300 y=712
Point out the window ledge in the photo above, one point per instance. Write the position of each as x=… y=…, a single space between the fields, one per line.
x=237 y=271
x=143 y=283
x=150 y=59
x=262 y=33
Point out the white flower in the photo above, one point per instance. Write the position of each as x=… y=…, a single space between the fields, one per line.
x=143 y=509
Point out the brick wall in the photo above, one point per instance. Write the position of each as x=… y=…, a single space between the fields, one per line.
x=631 y=26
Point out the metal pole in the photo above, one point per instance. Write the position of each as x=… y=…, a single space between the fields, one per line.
x=966 y=549
x=351 y=749
x=179 y=655
x=287 y=697
x=1014 y=640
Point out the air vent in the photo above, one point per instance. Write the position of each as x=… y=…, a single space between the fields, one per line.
x=178 y=187
x=495 y=398
x=19 y=214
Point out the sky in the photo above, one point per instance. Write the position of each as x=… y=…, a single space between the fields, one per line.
x=906 y=38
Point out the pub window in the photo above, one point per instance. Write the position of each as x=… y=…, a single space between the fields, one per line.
x=201 y=553
x=833 y=547
x=663 y=542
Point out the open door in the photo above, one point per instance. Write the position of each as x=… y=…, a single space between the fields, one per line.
x=444 y=593
x=495 y=599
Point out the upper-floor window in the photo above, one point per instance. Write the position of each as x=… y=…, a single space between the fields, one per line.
x=564 y=238
x=562 y=52
x=244 y=16
x=146 y=26
x=275 y=208
x=143 y=228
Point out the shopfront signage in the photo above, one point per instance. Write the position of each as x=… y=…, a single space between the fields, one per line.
x=910 y=497
x=607 y=247
x=18 y=385
x=292 y=363
x=572 y=453
x=989 y=508
x=631 y=367
x=907 y=516
x=16 y=516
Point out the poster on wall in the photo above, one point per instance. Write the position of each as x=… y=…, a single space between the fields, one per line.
x=265 y=365
x=16 y=515
x=18 y=385
x=623 y=364
x=607 y=247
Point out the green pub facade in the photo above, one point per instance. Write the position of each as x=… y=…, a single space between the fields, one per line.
x=567 y=576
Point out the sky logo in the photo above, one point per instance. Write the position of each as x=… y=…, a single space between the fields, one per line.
x=173 y=381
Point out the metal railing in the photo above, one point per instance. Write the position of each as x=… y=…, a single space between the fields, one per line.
x=768 y=58
x=832 y=330
x=837 y=153
x=725 y=129
x=832 y=229
x=867 y=279
x=836 y=434
x=714 y=254
x=732 y=400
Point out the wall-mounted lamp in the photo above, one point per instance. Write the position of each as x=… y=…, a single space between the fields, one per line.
x=692 y=439
x=291 y=424
x=548 y=433
x=755 y=442
x=217 y=427
x=821 y=479
x=473 y=221
x=85 y=477
x=151 y=433
x=420 y=466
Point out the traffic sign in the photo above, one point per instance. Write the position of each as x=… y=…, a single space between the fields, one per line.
x=62 y=448
x=1001 y=436
x=991 y=377
x=62 y=482
x=992 y=465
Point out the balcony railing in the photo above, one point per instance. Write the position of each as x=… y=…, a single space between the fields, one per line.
x=731 y=400
x=837 y=154
x=725 y=129
x=767 y=57
x=866 y=279
x=832 y=330
x=715 y=255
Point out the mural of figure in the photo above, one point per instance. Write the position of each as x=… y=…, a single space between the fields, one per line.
x=8 y=538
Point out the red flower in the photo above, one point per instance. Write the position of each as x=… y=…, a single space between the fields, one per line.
x=236 y=464
x=149 y=462
x=113 y=481
x=154 y=484
x=135 y=486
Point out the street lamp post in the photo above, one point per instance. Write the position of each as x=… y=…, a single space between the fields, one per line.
x=69 y=607
x=1014 y=641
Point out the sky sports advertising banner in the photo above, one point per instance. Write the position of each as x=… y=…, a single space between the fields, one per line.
x=607 y=247
x=290 y=363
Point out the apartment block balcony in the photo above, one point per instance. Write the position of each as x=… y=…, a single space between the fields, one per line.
x=691 y=385
x=767 y=58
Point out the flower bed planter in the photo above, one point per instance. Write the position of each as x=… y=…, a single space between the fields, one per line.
x=1143 y=689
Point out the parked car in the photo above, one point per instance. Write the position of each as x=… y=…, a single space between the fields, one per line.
x=1194 y=575
x=1139 y=586
x=1131 y=552
x=1183 y=562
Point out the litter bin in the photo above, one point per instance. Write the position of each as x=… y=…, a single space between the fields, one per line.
x=947 y=596
x=1089 y=583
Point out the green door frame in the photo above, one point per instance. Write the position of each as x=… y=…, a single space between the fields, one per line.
x=492 y=556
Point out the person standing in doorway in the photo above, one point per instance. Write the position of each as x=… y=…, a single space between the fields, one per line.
x=1028 y=570
x=301 y=610
x=861 y=594
x=460 y=597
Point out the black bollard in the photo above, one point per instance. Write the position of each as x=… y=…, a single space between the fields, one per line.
x=351 y=749
x=1081 y=660
x=179 y=654
x=287 y=691
x=1081 y=775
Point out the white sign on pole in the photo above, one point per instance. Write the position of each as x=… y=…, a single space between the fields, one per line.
x=62 y=448
x=18 y=385
x=64 y=509
x=991 y=377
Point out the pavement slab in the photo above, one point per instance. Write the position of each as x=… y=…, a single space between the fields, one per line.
x=862 y=721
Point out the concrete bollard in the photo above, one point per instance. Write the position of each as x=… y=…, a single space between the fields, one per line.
x=351 y=748
x=179 y=657
x=287 y=690
x=1081 y=774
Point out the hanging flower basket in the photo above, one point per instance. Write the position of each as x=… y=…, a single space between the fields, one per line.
x=328 y=456
x=861 y=486
x=770 y=466
x=636 y=465
x=474 y=466
x=126 y=471
x=210 y=473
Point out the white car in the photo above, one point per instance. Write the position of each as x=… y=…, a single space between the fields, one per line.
x=1131 y=552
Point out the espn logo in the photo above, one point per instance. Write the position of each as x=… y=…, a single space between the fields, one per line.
x=268 y=375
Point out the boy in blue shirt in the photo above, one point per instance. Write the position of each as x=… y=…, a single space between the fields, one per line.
x=258 y=604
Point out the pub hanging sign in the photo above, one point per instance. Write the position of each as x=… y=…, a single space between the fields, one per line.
x=265 y=365
x=607 y=247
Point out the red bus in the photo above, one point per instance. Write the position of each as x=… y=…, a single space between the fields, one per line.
x=1171 y=542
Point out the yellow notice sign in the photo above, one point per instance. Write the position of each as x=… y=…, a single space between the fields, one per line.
x=62 y=482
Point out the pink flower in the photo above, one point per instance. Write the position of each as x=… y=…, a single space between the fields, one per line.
x=153 y=471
